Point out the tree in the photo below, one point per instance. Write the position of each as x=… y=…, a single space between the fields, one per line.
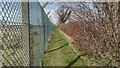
x=99 y=34
x=63 y=13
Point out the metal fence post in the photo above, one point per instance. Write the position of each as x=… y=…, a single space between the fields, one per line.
x=26 y=32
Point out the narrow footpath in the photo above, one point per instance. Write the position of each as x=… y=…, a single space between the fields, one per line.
x=60 y=53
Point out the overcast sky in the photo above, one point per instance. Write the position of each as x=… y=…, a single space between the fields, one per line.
x=52 y=7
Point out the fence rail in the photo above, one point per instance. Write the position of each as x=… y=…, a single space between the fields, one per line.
x=24 y=33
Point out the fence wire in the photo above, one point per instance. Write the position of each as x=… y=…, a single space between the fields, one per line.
x=24 y=33
x=40 y=30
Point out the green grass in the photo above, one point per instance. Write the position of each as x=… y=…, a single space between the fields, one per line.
x=63 y=56
x=68 y=53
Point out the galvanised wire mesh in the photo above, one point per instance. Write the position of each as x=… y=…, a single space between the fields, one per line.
x=40 y=30
x=14 y=47
x=24 y=32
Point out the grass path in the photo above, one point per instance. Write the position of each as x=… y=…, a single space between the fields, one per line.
x=60 y=53
x=55 y=52
x=55 y=55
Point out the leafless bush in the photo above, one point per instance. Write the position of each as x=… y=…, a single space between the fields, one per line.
x=100 y=30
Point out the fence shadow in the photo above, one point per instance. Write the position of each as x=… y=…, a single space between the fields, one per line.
x=74 y=61
x=56 y=48
x=58 y=40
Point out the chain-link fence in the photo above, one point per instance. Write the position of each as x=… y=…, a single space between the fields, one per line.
x=24 y=32
x=40 y=28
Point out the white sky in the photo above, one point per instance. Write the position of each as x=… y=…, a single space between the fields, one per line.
x=52 y=7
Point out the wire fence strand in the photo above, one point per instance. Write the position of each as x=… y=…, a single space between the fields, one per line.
x=24 y=33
